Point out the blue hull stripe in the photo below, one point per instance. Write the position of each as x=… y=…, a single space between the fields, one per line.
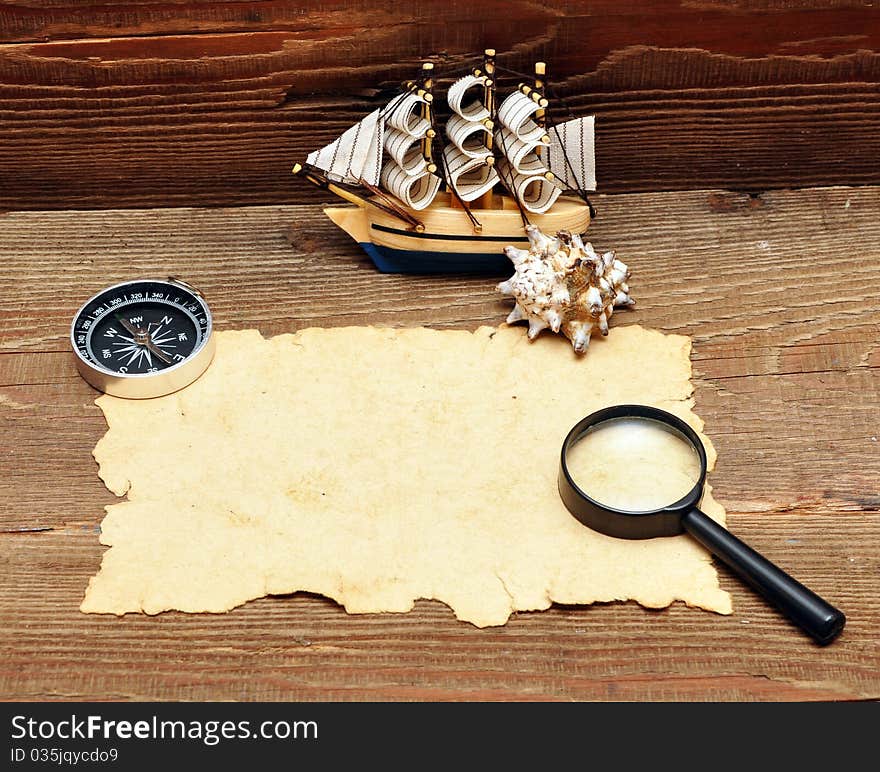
x=390 y=260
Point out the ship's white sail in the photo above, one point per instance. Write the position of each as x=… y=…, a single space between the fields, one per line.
x=397 y=130
x=354 y=156
x=468 y=136
x=462 y=101
x=572 y=156
x=416 y=191
x=406 y=150
x=470 y=177
x=520 y=139
x=405 y=174
x=469 y=170
x=405 y=114
x=521 y=154
x=516 y=113
x=534 y=191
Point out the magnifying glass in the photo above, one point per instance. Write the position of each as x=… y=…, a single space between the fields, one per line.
x=663 y=465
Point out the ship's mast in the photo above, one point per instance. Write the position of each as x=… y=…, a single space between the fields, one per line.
x=454 y=198
x=540 y=74
x=489 y=97
x=427 y=88
x=536 y=94
x=489 y=87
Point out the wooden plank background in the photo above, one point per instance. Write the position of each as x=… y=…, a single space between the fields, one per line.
x=196 y=102
x=780 y=293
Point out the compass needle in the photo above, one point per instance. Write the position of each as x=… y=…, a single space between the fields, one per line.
x=151 y=345
x=128 y=325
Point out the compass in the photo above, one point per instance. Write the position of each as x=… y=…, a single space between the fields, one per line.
x=143 y=338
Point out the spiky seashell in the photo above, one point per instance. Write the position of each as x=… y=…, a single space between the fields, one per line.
x=564 y=284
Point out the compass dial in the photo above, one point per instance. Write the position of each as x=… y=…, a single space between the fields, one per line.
x=143 y=338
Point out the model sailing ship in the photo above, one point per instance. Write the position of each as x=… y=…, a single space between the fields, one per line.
x=426 y=203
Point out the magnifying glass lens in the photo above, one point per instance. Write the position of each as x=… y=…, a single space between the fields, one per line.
x=637 y=472
x=634 y=464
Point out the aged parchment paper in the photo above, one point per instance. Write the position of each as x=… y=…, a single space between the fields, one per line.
x=378 y=466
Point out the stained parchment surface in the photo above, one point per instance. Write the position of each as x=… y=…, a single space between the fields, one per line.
x=378 y=466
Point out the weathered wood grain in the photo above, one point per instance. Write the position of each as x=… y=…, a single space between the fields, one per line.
x=303 y=647
x=831 y=24
x=176 y=103
x=780 y=294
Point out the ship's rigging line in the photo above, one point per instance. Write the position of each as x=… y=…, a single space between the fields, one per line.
x=511 y=188
x=388 y=199
x=392 y=204
x=388 y=203
x=478 y=226
x=555 y=98
x=316 y=176
x=383 y=201
x=510 y=184
x=474 y=221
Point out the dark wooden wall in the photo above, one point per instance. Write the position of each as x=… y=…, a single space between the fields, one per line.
x=179 y=102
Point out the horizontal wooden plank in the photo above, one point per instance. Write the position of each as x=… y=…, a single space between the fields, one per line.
x=789 y=22
x=779 y=292
x=304 y=647
x=163 y=104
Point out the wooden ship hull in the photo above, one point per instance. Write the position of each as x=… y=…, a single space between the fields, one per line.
x=448 y=243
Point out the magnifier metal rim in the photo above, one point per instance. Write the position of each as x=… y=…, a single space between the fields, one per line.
x=623 y=523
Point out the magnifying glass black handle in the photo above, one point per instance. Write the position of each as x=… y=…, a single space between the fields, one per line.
x=802 y=606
